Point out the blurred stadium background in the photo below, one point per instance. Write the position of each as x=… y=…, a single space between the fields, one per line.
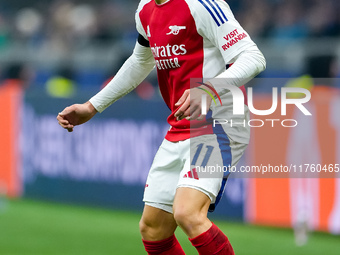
x=80 y=193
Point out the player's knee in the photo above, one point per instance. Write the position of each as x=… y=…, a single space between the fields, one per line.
x=145 y=226
x=153 y=231
x=149 y=228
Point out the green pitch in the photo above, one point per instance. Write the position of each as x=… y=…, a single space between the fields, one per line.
x=30 y=227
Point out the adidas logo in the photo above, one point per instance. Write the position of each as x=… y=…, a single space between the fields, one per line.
x=192 y=174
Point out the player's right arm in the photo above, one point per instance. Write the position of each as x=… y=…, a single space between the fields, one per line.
x=136 y=68
x=75 y=115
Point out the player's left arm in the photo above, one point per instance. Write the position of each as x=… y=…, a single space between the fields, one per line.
x=221 y=29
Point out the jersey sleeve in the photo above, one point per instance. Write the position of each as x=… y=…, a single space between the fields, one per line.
x=135 y=69
x=139 y=25
x=216 y=23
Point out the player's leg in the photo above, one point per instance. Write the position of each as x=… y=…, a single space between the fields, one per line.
x=157 y=225
x=157 y=228
x=190 y=212
x=199 y=190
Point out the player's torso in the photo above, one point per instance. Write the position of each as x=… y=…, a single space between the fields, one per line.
x=176 y=45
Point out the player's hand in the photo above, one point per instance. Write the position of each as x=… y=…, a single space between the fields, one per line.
x=75 y=115
x=191 y=104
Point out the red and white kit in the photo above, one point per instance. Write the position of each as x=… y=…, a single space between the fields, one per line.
x=187 y=39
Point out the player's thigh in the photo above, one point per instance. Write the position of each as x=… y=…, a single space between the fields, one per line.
x=156 y=224
x=163 y=176
x=203 y=152
x=208 y=163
